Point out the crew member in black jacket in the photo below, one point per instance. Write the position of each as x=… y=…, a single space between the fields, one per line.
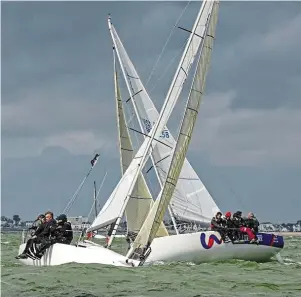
x=41 y=236
x=63 y=232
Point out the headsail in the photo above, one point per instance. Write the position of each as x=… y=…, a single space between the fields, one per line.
x=191 y=201
x=115 y=206
x=141 y=200
x=146 y=235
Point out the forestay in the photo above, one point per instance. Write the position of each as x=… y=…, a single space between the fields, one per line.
x=150 y=226
x=141 y=200
x=114 y=208
x=191 y=201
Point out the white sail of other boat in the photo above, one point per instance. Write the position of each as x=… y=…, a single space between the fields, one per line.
x=114 y=208
x=155 y=217
x=191 y=201
x=141 y=199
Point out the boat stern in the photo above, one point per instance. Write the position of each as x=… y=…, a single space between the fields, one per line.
x=270 y=239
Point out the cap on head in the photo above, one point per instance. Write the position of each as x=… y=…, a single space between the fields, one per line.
x=62 y=217
x=238 y=213
x=41 y=216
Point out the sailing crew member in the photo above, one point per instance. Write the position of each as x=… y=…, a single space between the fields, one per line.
x=252 y=223
x=240 y=223
x=218 y=224
x=229 y=226
x=45 y=238
x=38 y=226
x=110 y=231
x=63 y=232
x=37 y=223
x=42 y=237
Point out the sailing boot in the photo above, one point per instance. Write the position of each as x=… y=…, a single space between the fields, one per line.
x=22 y=256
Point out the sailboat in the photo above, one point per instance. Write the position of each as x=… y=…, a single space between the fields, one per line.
x=131 y=196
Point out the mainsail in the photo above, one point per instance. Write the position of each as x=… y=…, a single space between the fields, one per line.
x=140 y=201
x=191 y=201
x=115 y=206
x=150 y=226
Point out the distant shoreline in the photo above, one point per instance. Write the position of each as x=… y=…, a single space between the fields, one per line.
x=7 y=230
x=288 y=233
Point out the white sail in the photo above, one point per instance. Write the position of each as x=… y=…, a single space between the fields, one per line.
x=191 y=201
x=114 y=208
x=132 y=94
x=141 y=199
x=150 y=227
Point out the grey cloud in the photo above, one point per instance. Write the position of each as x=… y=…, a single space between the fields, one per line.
x=247 y=137
x=262 y=63
x=55 y=175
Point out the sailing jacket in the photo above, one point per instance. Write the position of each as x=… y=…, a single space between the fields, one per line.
x=217 y=224
x=48 y=229
x=229 y=223
x=252 y=223
x=39 y=229
x=63 y=233
x=238 y=221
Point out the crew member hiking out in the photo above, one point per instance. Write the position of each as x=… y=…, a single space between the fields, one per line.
x=46 y=236
x=240 y=223
x=37 y=223
x=217 y=224
x=44 y=239
x=63 y=232
x=252 y=223
x=38 y=227
x=229 y=226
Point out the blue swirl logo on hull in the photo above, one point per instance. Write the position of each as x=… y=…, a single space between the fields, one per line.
x=212 y=239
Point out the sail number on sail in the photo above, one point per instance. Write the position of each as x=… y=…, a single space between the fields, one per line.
x=148 y=127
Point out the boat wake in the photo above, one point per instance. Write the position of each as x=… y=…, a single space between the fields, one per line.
x=288 y=261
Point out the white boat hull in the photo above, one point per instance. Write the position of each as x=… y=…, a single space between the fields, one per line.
x=199 y=247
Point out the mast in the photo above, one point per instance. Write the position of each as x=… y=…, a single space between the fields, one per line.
x=145 y=236
x=115 y=47
x=191 y=200
x=141 y=200
x=115 y=205
x=95 y=201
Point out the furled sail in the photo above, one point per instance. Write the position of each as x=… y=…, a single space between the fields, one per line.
x=150 y=227
x=191 y=201
x=141 y=200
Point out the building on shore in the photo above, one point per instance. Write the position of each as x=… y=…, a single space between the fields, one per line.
x=79 y=223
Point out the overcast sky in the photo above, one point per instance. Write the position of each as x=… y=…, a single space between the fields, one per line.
x=58 y=104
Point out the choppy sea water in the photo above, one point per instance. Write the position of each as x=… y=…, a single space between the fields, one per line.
x=232 y=278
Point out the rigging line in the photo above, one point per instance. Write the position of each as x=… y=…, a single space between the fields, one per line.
x=75 y=195
x=167 y=41
x=168 y=66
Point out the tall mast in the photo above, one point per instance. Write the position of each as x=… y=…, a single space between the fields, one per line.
x=115 y=47
x=95 y=201
x=115 y=206
x=145 y=236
